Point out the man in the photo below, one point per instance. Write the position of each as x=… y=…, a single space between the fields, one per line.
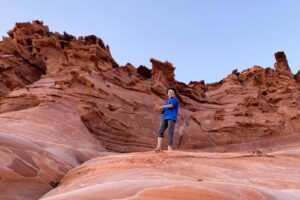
x=169 y=117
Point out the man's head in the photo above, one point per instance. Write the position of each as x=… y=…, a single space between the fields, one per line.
x=171 y=92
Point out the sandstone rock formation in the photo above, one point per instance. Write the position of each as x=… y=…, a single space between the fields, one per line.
x=282 y=66
x=65 y=100
x=184 y=175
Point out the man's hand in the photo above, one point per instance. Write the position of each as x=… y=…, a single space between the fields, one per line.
x=157 y=107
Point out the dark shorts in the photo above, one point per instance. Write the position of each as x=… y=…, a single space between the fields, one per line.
x=167 y=123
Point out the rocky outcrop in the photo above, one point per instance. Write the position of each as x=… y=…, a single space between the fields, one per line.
x=183 y=175
x=297 y=76
x=64 y=100
x=162 y=77
x=144 y=72
x=281 y=65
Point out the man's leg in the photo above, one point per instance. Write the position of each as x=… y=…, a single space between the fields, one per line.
x=171 y=125
x=163 y=127
x=158 y=146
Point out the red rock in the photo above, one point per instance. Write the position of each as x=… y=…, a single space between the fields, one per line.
x=297 y=76
x=162 y=77
x=183 y=175
x=65 y=100
x=281 y=65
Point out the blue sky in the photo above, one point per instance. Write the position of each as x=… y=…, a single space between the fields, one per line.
x=204 y=39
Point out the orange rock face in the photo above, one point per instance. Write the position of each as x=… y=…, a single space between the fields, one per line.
x=64 y=100
x=184 y=175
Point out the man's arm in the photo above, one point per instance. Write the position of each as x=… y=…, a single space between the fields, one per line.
x=166 y=106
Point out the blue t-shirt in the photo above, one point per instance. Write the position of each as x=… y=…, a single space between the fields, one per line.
x=171 y=113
